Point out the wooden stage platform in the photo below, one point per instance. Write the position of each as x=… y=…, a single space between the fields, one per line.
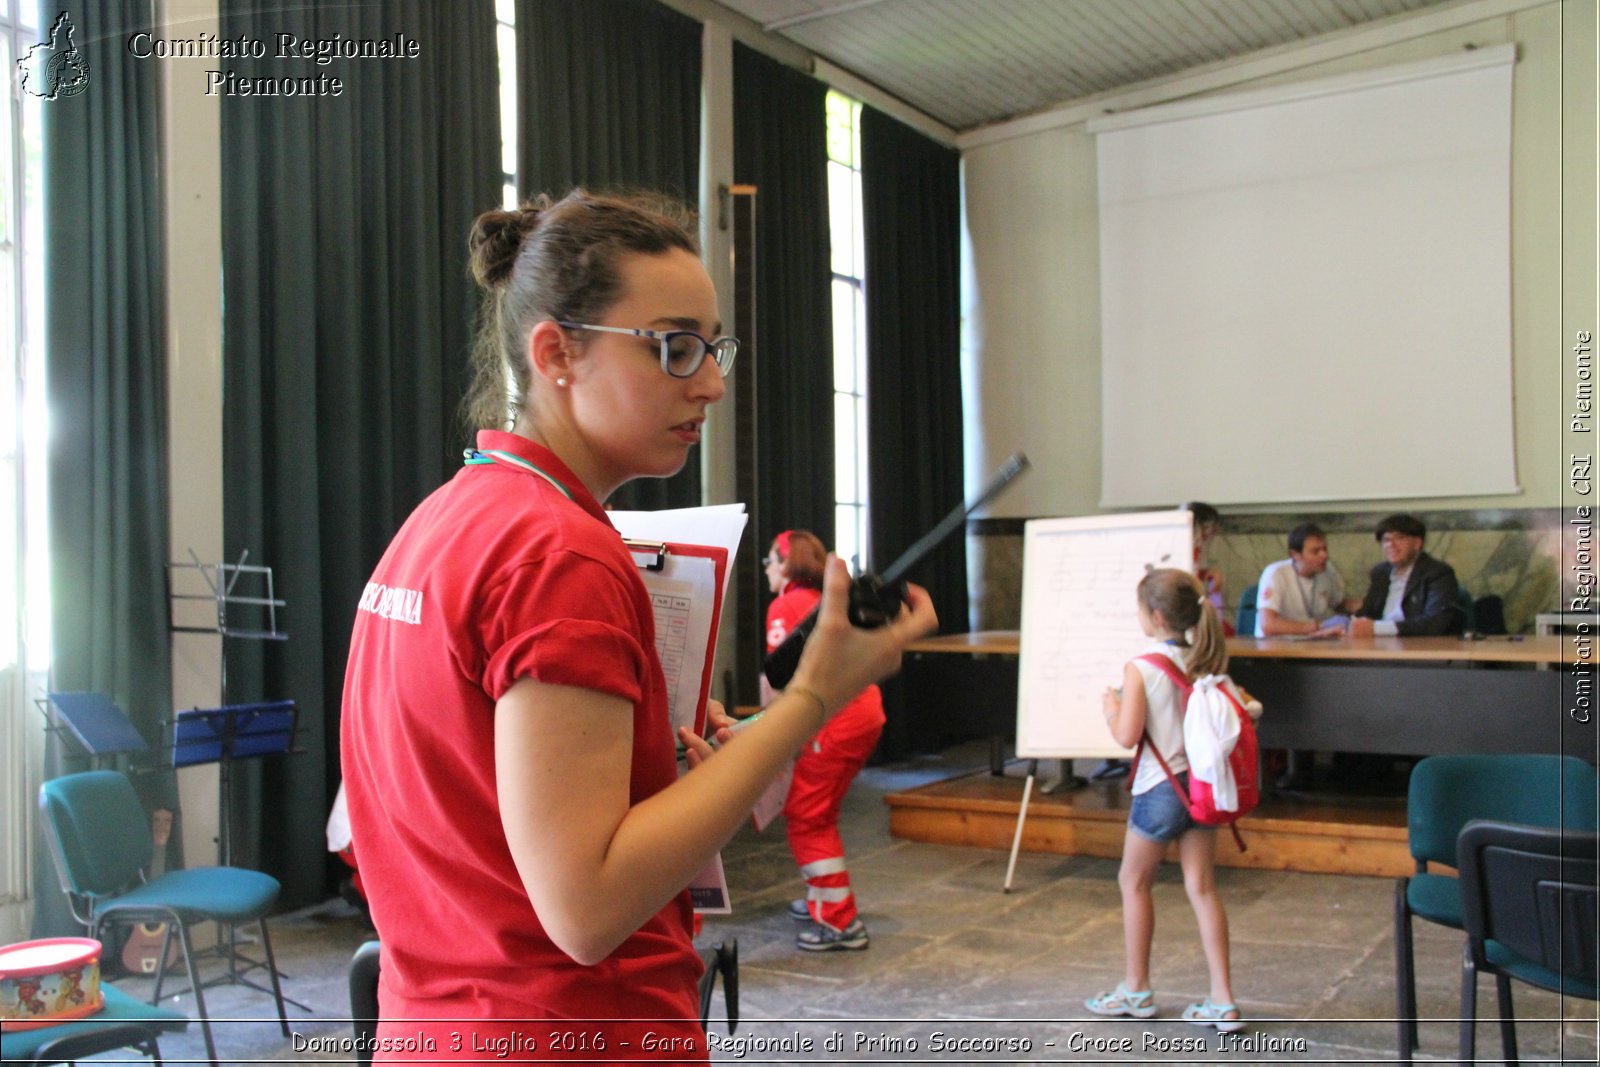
x=1356 y=835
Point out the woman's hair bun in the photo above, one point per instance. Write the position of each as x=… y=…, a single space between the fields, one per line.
x=496 y=239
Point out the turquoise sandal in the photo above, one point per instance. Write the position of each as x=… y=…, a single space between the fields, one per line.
x=1124 y=1001
x=1206 y=1013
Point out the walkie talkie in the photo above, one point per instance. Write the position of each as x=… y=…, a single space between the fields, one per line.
x=877 y=599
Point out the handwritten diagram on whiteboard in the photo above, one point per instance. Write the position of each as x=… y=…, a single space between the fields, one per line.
x=1080 y=623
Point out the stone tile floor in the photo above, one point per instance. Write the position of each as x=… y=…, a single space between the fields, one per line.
x=960 y=972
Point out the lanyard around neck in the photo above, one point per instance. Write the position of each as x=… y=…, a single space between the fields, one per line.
x=1307 y=590
x=476 y=457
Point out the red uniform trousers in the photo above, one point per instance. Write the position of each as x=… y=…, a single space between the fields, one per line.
x=822 y=775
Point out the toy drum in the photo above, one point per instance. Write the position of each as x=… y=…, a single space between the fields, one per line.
x=50 y=981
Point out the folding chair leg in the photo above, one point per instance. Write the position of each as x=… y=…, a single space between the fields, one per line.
x=197 y=987
x=161 y=962
x=272 y=972
x=1508 y=1021
x=1405 y=990
x=728 y=964
x=194 y=983
x=1469 y=1004
x=708 y=982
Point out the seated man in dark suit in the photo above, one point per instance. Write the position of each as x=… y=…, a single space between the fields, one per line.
x=1411 y=595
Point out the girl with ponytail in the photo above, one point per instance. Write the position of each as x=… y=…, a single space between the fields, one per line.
x=1175 y=612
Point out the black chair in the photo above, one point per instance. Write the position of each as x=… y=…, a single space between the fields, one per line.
x=1468 y=608
x=364 y=999
x=1446 y=793
x=1530 y=901
x=1489 y=615
x=723 y=960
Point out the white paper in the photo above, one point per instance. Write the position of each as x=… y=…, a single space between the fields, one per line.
x=770 y=804
x=683 y=597
x=718 y=526
x=709 y=890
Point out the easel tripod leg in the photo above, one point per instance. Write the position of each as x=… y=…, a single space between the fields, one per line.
x=1022 y=815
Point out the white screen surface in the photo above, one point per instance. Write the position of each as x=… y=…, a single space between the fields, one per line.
x=1080 y=623
x=1308 y=298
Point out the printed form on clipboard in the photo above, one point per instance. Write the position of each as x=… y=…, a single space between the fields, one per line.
x=683 y=556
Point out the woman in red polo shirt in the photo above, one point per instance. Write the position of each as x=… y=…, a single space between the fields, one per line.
x=826 y=767
x=510 y=769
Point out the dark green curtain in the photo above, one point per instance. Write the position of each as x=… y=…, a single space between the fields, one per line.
x=347 y=324
x=911 y=192
x=780 y=145
x=610 y=98
x=106 y=387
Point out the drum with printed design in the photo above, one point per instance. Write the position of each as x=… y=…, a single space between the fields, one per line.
x=49 y=981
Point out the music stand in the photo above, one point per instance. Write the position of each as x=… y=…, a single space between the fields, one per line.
x=96 y=723
x=222 y=735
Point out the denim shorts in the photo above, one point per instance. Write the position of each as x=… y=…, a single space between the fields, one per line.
x=1159 y=815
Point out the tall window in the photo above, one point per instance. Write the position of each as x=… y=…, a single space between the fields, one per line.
x=849 y=329
x=24 y=570
x=22 y=535
x=505 y=13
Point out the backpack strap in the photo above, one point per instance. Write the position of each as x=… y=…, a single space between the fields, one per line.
x=1170 y=669
x=1185 y=687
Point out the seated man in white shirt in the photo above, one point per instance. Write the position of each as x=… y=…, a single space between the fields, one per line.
x=1412 y=594
x=1304 y=594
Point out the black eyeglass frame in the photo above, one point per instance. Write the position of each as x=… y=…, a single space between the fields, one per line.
x=723 y=350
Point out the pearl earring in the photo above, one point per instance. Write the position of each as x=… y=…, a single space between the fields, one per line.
x=562 y=380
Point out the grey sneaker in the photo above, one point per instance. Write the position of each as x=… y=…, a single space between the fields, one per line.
x=822 y=938
x=798 y=911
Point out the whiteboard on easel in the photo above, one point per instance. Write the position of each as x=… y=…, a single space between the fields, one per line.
x=1080 y=622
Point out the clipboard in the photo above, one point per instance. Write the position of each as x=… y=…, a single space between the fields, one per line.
x=686 y=584
x=683 y=557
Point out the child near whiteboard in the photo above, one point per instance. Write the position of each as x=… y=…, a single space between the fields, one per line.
x=1175 y=611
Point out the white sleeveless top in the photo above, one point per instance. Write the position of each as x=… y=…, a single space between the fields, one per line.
x=1163 y=721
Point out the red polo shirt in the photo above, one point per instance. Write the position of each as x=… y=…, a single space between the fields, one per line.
x=497 y=576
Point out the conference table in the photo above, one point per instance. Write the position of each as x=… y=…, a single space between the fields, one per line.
x=1406 y=696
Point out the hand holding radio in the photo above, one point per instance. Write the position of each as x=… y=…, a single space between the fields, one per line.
x=875 y=601
x=872 y=602
x=857 y=634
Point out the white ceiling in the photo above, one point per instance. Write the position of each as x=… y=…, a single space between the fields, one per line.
x=971 y=63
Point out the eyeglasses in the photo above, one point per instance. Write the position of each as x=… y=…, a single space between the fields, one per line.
x=767 y=561
x=682 y=351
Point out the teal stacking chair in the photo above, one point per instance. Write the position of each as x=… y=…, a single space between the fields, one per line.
x=124 y=1022
x=1446 y=793
x=1245 y=621
x=98 y=837
x=1530 y=899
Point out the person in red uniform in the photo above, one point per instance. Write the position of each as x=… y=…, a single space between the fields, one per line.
x=510 y=769
x=826 y=767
